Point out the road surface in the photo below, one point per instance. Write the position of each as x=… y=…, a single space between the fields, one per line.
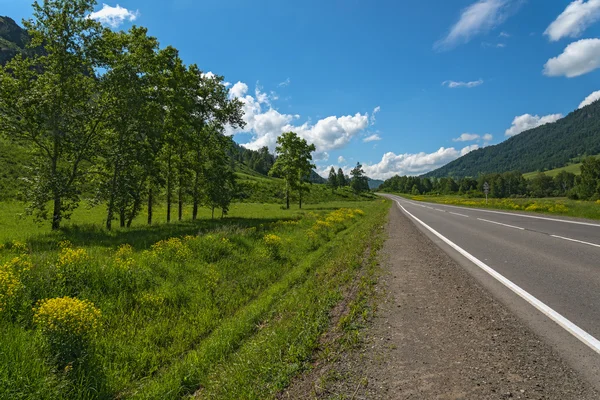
x=546 y=269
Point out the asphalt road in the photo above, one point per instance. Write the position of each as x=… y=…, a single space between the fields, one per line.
x=554 y=260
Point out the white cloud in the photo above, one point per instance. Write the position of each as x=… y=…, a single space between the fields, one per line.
x=114 y=16
x=208 y=75
x=375 y=111
x=285 y=83
x=341 y=160
x=266 y=124
x=590 y=99
x=413 y=164
x=373 y=138
x=527 y=121
x=504 y=35
x=478 y=18
x=576 y=18
x=578 y=58
x=471 y=137
x=466 y=137
x=468 y=149
x=454 y=84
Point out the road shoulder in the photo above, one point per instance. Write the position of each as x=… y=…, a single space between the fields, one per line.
x=438 y=334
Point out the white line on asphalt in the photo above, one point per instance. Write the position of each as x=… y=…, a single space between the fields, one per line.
x=519 y=215
x=460 y=215
x=570 y=327
x=575 y=240
x=499 y=223
x=437 y=209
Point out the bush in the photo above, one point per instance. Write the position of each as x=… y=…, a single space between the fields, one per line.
x=69 y=325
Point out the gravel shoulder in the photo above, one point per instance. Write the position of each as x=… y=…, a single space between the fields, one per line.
x=437 y=334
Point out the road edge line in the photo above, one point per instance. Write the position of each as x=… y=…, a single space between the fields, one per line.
x=567 y=325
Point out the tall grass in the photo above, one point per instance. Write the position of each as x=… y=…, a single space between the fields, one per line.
x=221 y=309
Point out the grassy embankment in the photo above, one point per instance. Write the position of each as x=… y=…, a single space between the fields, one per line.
x=553 y=206
x=217 y=309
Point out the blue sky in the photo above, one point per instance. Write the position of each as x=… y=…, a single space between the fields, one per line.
x=392 y=84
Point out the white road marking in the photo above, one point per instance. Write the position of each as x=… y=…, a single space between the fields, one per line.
x=575 y=240
x=460 y=215
x=437 y=209
x=499 y=223
x=513 y=214
x=570 y=327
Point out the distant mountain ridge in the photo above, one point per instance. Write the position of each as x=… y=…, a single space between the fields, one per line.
x=546 y=147
x=13 y=40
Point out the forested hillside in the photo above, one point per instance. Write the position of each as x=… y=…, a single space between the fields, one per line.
x=546 y=147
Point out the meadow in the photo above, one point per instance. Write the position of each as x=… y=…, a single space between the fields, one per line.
x=553 y=206
x=227 y=309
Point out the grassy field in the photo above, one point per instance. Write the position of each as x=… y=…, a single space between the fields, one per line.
x=225 y=309
x=555 y=206
x=256 y=188
x=572 y=168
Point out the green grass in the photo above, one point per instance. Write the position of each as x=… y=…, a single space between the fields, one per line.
x=222 y=313
x=256 y=188
x=553 y=206
x=572 y=168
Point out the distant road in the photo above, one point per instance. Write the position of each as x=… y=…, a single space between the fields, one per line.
x=546 y=268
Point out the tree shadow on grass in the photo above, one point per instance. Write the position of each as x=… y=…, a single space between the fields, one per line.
x=140 y=238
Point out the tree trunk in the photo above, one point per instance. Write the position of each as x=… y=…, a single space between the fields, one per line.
x=150 y=200
x=213 y=213
x=287 y=199
x=300 y=203
x=57 y=213
x=111 y=201
x=195 y=211
x=169 y=190
x=180 y=203
x=122 y=218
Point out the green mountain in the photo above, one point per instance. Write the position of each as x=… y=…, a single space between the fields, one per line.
x=543 y=148
x=13 y=40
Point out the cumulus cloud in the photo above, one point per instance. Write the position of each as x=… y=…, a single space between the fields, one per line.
x=466 y=137
x=527 y=121
x=455 y=84
x=590 y=99
x=576 y=18
x=373 y=138
x=266 y=124
x=341 y=160
x=577 y=59
x=478 y=18
x=114 y=16
x=471 y=137
x=414 y=164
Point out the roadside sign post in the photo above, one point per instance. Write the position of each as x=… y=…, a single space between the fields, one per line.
x=486 y=190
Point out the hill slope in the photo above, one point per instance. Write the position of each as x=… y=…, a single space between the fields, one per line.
x=13 y=40
x=546 y=147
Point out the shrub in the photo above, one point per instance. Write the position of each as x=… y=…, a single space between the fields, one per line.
x=10 y=280
x=173 y=249
x=273 y=245
x=69 y=325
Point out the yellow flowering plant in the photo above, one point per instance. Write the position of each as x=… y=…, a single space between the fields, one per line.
x=11 y=275
x=69 y=325
x=273 y=244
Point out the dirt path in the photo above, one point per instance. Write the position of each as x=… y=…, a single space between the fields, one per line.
x=438 y=335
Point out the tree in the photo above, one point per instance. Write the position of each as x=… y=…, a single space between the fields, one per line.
x=54 y=103
x=293 y=163
x=332 y=181
x=341 y=178
x=589 y=182
x=360 y=182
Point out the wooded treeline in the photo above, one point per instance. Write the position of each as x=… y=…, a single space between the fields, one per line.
x=113 y=114
x=509 y=184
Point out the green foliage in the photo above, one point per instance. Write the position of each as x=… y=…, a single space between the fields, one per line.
x=293 y=164
x=543 y=148
x=184 y=312
x=360 y=182
x=332 y=181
